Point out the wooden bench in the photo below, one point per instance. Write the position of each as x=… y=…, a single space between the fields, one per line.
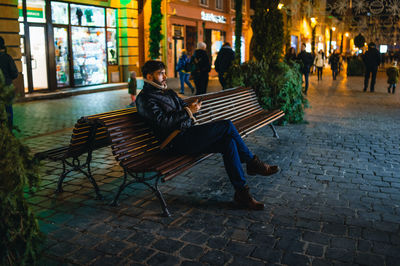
x=87 y=136
x=138 y=150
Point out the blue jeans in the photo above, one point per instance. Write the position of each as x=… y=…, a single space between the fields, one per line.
x=216 y=137
x=9 y=111
x=184 y=78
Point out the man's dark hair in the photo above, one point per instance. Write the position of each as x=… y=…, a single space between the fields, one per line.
x=371 y=45
x=2 y=46
x=227 y=44
x=151 y=66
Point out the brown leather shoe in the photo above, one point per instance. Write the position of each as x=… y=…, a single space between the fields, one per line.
x=258 y=167
x=244 y=199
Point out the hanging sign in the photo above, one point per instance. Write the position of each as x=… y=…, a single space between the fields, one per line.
x=213 y=18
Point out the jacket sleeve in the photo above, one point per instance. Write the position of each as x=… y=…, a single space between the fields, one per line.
x=13 y=71
x=150 y=110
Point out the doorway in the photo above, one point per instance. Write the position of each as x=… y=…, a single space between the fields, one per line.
x=35 y=72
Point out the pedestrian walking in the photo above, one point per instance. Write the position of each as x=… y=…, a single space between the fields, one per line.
x=10 y=72
x=306 y=59
x=132 y=87
x=334 y=61
x=200 y=67
x=392 y=73
x=319 y=63
x=371 y=60
x=223 y=62
x=290 y=55
x=183 y=68
x=172 y=121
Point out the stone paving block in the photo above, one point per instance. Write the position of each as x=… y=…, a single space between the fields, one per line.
x=191 y=251
x=215 y=257
x=368 y=259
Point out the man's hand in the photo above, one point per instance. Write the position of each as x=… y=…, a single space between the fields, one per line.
x=195 y=106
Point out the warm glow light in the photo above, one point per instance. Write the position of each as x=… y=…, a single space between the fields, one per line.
x=394 y=43
x=313 y=20
x=280 y=6
x=346 y=34
x=333 y=28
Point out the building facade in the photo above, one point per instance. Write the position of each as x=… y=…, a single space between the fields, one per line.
x=59 y=44
x=187 y=22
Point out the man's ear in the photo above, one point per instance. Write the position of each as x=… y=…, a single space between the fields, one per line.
x=149 y=77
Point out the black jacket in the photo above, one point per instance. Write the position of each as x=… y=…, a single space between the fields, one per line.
x=8 y=67
x=371 y=58
x=334 y=60
x=163 y=110
x=200 y=61
x=306 y=60
x=224 y=59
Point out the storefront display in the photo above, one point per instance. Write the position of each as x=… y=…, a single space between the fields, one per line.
x=89 y=56
x=61 y=56
x=82 y=15
x=59 y=13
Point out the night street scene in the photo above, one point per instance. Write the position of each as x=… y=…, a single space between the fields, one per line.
x=199 y=132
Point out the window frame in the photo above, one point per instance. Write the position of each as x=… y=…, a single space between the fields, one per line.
x=206 y=4
x=221 y=4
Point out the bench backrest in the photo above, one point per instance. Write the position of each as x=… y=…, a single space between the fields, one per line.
x=133 y=142
x=88 y=135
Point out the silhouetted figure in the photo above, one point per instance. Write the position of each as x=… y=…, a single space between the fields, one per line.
x=10 y=72
x=223 y=62
x=371 y=60
x=306 y=59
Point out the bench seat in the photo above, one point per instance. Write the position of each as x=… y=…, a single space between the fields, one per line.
x=138 y=150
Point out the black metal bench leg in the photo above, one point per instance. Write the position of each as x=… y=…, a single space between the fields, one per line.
x=274 y=130
x=61 y=179
x=121 y=188
x=160 y=197
x=91 y=179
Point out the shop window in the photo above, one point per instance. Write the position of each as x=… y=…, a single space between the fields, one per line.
x=218 y=4
x=112 y=46
x=87 y=15
x=59 y=13
x=89 y=55
x=35 y=11
x=217 y=40
x=111 y=17
x=204 y=2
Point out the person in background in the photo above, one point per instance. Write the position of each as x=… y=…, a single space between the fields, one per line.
x=334 y=60
x=183 y=68
x=392 y=73
x=132 y=87
x=319 y=63
x=223 y=62
x=200 y=68
x=174 y=124
x=10 y=72
x=306 y=59
x=372 y=61
x=290 y=55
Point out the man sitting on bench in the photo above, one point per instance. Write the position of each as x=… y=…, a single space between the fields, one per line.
x=173 y=123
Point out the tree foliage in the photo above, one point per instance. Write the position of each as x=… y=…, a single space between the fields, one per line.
x=267 y=25
x=20 y=237
x=155 y=29
x=238 y=29
x=277 y=84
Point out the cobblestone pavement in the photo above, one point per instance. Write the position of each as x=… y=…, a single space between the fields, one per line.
x=335 y=202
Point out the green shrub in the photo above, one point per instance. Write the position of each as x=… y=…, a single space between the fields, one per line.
x=20 y=237
x=355 y=67
x=277 y=86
